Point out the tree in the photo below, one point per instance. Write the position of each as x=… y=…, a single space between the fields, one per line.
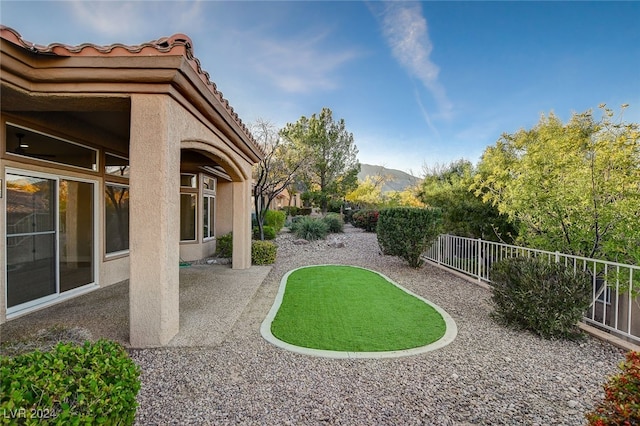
x=333 y=168
x=276 y=172
x=463 y=213
x=572 y=187
x=367 y=194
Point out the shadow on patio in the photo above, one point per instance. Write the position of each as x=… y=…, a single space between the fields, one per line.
x=212 y=297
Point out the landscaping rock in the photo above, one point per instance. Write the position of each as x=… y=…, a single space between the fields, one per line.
x=489 y=375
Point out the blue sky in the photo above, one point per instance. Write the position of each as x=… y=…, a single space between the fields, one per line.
x=416 y=83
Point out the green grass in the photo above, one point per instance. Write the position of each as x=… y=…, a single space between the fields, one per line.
x=344 y=308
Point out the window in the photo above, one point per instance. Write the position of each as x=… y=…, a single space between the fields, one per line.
x=187 y=217
x=116 y=218
x=209 y=184
x=116 y=165
x=33 y=144
x=188 y=180
x=208 y=208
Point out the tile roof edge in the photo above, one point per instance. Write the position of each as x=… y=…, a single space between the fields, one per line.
x=162 y=45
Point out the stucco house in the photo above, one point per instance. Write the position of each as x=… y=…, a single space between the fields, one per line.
x=116 y=162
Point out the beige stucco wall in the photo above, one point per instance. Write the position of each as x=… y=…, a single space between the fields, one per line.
x=224 y=200
x=197 y=251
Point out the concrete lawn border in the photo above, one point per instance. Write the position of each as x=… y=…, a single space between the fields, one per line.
x=265 y=329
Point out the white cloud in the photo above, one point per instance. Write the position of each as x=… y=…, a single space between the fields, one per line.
x=128 y=21
x=301 y=64
x=406 y=33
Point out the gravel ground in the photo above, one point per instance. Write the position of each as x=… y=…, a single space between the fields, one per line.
x=489 y=375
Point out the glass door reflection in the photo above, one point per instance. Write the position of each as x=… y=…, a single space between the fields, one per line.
x=31 y=238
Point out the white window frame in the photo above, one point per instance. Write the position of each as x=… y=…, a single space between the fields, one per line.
x=57 y=297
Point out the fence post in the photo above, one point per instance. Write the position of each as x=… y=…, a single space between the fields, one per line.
x=479 y=259
x=557 y=257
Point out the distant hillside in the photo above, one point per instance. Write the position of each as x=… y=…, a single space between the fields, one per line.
x=397 y=179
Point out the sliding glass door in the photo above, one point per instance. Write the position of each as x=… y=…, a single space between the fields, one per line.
x=50 y=237
x=31 y=238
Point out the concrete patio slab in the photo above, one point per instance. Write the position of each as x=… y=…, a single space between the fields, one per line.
x=212 y=298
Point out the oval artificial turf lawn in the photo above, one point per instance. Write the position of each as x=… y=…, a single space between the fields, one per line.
x=345 y=308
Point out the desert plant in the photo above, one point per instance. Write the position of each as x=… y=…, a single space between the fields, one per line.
x=93 y=383
x=310 y=228
x=275 y=219
x=268 y=231
x=407 y=232
x=621 y=404
x=334 y=223
x=546 y=298
x=365 y=219
x=224 y=245
x=263 y=252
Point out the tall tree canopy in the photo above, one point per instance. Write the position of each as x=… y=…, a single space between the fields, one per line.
x=463 y=212
x=572 y=187
x=333 y=168
x=276 y=172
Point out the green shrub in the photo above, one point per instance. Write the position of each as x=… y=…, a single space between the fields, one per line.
x=310 y=228
x=334 y=223
x=365 y=219
x=263 y=252
x=95 y=383
x=334 y=206
x=621 y=404
x=407 y=232
x=290 y=210
x=268 y=232
x=224 y=245
x=275 y=219
x=546 y=298
x=305 y=211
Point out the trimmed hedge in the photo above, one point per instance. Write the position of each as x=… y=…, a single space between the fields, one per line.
x=95 y=383
x=546 y=298
x=407 y=232
x=263 y=252
x=621 y=404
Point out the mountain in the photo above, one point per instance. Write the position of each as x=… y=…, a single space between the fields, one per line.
x=396 y=180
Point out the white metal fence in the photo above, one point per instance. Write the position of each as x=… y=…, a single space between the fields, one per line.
x=613 y=307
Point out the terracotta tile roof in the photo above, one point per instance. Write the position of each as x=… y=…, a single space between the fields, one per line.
x=177 y=44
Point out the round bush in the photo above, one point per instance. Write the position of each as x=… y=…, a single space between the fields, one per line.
x=334 y=223
x=95 y=383
x=263 y=252
x=268 y=231
x=546 y=298
x=407 y=232
x=365 y=219
x=275 y=219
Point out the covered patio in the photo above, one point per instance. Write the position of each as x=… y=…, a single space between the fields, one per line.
x=117 y=163
x=212 y=298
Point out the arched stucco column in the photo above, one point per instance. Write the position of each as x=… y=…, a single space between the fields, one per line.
x=241 y=257
x=154 y=222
